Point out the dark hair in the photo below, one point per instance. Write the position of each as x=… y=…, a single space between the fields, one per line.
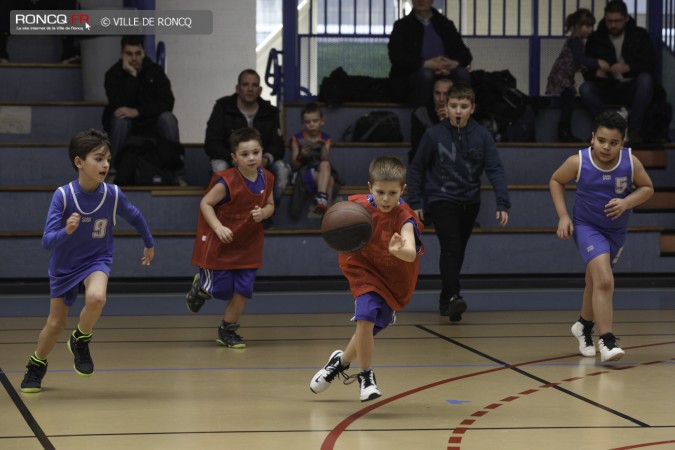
x=244 y=135
x=86 y=142
x=133 y=40
x=612 y=120
x=387 y=168
x=578 y=18
x=310 y=108
x=462 y=90
x=616 y=6
x=247 y=72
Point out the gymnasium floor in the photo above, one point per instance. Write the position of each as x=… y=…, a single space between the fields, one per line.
x=499 y=380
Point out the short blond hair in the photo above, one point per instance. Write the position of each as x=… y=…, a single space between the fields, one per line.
x=387 y=168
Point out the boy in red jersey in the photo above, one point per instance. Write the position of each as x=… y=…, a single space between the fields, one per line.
x=382 y=275
x=229 y=242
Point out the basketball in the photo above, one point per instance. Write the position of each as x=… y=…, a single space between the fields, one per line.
x=347 y=227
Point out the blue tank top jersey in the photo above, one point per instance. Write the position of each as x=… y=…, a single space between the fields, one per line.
x=596 y=187
x=91 y=244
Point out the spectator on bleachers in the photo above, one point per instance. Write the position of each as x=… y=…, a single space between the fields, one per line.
x=571 y=60
x=70 y=53
x=310 y=159
x=244 y=109
x=446 y=173
x=424 y=117
x=140 y=100
x=423 y=46
x=629 y=80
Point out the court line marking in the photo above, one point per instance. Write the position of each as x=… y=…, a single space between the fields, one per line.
x=334 y=434
x=25 y=413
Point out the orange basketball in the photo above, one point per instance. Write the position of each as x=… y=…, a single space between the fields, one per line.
x=347 y=227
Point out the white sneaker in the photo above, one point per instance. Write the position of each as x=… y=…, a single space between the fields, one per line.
x=369 y=390
x=585 y=338
x=333 y=368
x=609 y=351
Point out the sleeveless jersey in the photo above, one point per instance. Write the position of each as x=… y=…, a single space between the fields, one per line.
x=245 y=250
x=596 y=187
x=90 y=247
x=373 y=268
x=301 y=139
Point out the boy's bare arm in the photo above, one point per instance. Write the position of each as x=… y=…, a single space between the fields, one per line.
x=565 y=173
x=402 y=245
x=325 y=151
x=643 y=184
x=207 y=207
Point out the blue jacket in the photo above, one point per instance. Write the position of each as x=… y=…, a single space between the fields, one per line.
x=449 y=163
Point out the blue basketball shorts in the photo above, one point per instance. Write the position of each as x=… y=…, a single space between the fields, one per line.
x=371 y=307
x=592 y=242
x=223 y=284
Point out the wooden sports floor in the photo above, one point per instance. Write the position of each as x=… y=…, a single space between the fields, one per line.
x=498 y=380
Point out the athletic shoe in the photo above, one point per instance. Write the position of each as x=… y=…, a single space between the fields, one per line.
x=333 y=368
x=320 y=205
x=228 y=337
x=369 y=389
x=609 y=351
x=585 y=338
x=196 y=297
x=35 y=372
x=79 y=347
x=456 y=307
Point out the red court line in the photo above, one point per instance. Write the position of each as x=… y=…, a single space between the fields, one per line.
x=334 y=434
x=646 y=444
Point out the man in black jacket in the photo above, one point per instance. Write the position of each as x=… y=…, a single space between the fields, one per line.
x=140 y=100
x=244 y=109
x=423 y=46
x=629 y=80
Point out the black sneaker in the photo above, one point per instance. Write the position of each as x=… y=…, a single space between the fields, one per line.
x=228 y=337
x=79 y=347
x=333 y=368
x=369 y=390
x=35 y=372
x=443 y=306
x=196 y=297
x=456 y=307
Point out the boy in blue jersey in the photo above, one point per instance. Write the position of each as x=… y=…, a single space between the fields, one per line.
x=610 y=183
x=78 y=232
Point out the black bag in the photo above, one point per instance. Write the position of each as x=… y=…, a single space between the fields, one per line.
x=339 y=87
x=500 y=106
x=148 y=161
x=376 y=126
x=656 y=126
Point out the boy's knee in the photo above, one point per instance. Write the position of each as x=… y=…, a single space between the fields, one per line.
x=55 y=325
x=95 y=300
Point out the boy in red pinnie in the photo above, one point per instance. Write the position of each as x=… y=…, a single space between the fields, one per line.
x=382 y=275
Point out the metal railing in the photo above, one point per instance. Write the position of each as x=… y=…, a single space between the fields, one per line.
x=324 y=34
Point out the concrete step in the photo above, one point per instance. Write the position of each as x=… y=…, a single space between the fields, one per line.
x=34 y=49
x=40 y=82
x=25 y=121
x=498 y=252
x=174 y=209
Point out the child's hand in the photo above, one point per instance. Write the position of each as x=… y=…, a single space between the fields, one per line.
x=257 y=214
x=224 y=234
x=306 y=151
x=396 y=243
x=615 y=208
x=565 y=228
x=148 y=256
x=72 y=223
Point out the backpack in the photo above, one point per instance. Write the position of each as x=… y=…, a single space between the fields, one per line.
x=500 y=106
x=340 y=87
x=376 y=126
x=147 y=161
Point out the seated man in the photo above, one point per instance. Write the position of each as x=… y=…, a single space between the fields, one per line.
x=423 y=46
x=629 y=80
x=244 y=109
x=140 y=100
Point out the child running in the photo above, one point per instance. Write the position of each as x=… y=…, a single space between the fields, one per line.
x=382 y=275
x=79 y=235
x=229 y=242
x=610 y=182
